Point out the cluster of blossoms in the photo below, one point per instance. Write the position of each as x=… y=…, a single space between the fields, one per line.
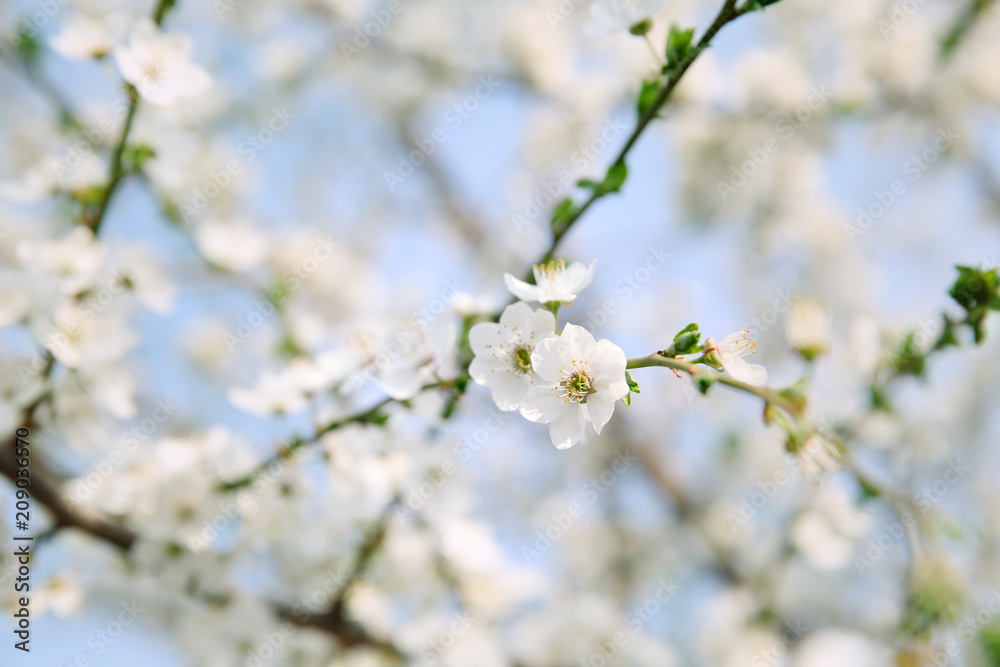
x=567 y=378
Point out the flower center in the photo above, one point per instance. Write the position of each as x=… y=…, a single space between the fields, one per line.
x=744 y=344
x=522 y=359
x=549 y=270
x=576 y=386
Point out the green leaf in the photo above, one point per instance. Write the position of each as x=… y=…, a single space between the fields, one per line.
x=617 y=174
x=689 y=328
x=90 y=196
x=563 y=213
x=651 y=89
x=989 y=639
x=880 y=400
x=633 y=388
x=135 y=157
x=679 y=45
x=703 y=382
x=909 y=360
x=978 y=291
x=25 y=44
x=612 y=182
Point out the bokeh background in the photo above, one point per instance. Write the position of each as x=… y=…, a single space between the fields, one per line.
x=498 y=99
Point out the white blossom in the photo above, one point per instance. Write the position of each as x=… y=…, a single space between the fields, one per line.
x=807 y=327
x=580 y=381
x=503 y=352
x=82 y=36
x=159 y=65
x=732 y=349
x=554 y=282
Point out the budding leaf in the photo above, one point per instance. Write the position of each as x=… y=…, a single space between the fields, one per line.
x=633 y=388
x=678 y=45
x=612 y=181
x=135 y=157
x=691 y=327
x=641 y=28
x=617 y=174
x=562 y=213
x=703 y=382
x=651 y=89
x=909 y=360
x=978 y=291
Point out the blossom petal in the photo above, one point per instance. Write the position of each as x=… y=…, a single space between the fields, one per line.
x=517 y=315
x=609 y=363
x=551 y=357
x=744 y=371
x=578 y=275
x=600 y=407
x=580 y=341
x=521 y=289
x=541 y=403
x=568 y=429
x=543 y=323
x=484 y=335
x=508 y=389
x=484 y=366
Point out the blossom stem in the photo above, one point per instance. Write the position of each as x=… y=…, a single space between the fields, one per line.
x=768 y=395
x=95 y=217
x=727 y=13
x=652 y=48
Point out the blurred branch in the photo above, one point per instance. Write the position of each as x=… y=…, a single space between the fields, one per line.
x=93 y=217
x=729 y=12
x=962 y=27
x=336 y=621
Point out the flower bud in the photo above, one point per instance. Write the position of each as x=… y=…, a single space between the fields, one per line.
x=642 y=27
x=807 y=327
x=711 y=354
